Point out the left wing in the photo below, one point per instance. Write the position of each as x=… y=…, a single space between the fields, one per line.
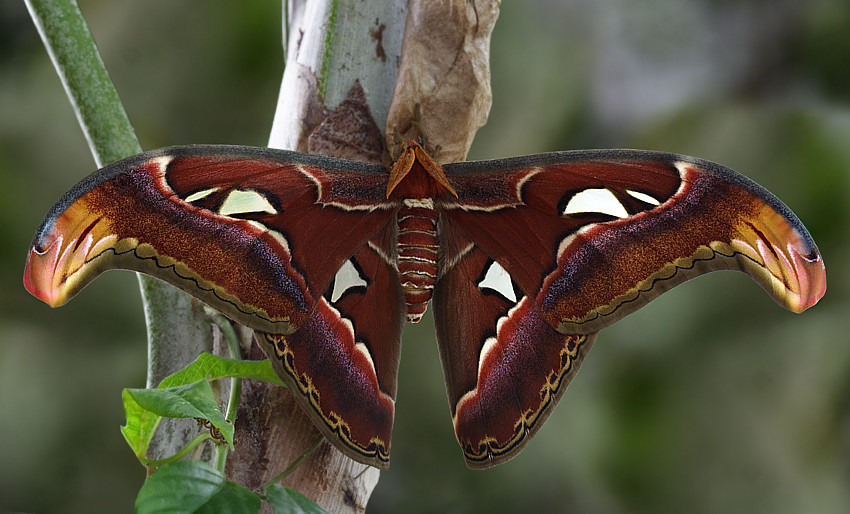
x=342 y=365
x=194 y=215
x=298 y=247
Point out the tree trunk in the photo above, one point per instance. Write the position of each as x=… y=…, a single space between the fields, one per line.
x=333 y=49
x=331 y=46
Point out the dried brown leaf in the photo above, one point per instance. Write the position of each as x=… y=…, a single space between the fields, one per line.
x=445 y=70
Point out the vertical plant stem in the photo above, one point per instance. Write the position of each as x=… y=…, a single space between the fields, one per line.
x=292 y=467
x=176 y=331
x=232 y=342
x=72 y=49
x=336 y=60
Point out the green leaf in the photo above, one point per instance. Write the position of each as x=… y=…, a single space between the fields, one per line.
x=213 y=367
x=141 y=425
x=142 y=422
x=195 y=400
x=193 y=486
x=233 y=499
x=184 y=401
x=287 y=501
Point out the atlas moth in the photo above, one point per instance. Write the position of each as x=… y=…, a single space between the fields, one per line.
x=523 y=259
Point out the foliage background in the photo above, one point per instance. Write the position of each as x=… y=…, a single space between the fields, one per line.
x=710 y=399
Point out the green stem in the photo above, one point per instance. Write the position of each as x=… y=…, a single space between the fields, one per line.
x=232 y=341
x=292 y=467
x=200 y=438
x=111 y=137
x=328 y=46
x=74 y=54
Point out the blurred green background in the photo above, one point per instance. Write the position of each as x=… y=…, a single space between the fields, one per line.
x=711 y=399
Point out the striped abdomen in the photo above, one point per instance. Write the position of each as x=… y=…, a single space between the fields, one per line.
x=417 y=254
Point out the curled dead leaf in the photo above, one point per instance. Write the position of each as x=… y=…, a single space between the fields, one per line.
x=445 y=70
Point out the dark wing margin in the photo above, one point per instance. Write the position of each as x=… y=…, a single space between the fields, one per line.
x=505 y=367
x=193 y=215
x=539 y=253
x=342 y=364
x=594 y=235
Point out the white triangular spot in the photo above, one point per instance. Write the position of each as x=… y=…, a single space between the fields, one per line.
x=274 y=233
x=194 y=197
x=498 y=280
x=595 y=201
x=643 y=197
x=163 y=161
x=346 y=278
x=489 y=344
x=365 y=351
x=241 y=201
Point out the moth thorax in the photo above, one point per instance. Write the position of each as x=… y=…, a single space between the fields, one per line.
x=417 y=254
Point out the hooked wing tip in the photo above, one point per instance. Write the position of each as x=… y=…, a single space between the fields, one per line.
x=812 y=276
x=61 y=259
x=784 y=261
x=39 y=274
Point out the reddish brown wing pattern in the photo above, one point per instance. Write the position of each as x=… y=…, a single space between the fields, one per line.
x=539 y=253
x=505 y=366
x=193 y=215
x=680 y=217
x=342 y=365
x=261 y=235
x=527 y=258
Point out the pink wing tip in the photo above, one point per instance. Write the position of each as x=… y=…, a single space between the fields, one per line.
x=782 y=257
x=811 y=276
x=40 y=273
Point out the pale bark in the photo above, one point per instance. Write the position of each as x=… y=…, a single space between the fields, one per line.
x=332 y=46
